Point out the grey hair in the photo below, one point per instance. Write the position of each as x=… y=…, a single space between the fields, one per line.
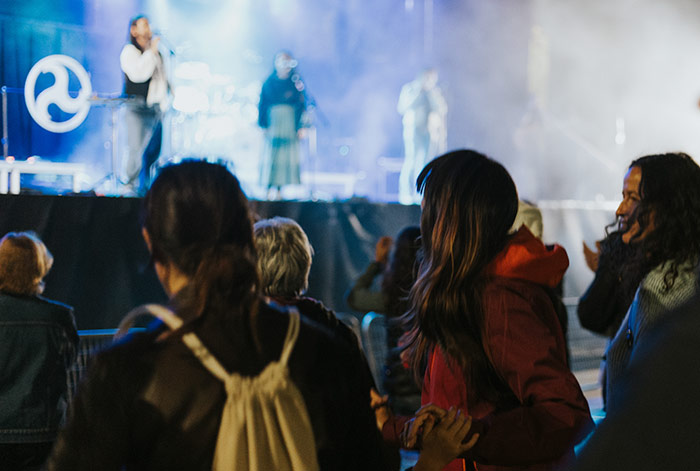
x=284 y=257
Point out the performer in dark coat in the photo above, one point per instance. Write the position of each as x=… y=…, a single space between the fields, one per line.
x=280 y=114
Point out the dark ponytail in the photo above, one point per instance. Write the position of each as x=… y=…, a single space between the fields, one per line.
x=224 y=279
x=197 y=218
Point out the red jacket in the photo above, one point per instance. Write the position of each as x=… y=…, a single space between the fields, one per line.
x=528 y=350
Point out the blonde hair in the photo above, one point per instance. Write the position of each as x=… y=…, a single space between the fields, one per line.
x=24 y=262
x=529 y=216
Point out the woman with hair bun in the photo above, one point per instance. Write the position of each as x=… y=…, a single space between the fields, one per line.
x=149 y=403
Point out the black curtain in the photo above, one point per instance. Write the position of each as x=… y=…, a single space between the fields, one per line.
x=102 y=267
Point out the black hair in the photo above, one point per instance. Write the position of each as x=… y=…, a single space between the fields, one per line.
x=400 y=272
x=197 y=218
x=668 y=215
x=132 y=23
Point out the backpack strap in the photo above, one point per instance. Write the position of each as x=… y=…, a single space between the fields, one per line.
x=193 y=342
x=168 y=317
x=205 y=357
x=161 y=312
x=212 y=364
x=292 y=334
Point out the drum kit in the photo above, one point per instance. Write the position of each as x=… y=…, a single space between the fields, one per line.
x=214 y=119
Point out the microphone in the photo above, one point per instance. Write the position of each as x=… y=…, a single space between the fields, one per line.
x=166 y=44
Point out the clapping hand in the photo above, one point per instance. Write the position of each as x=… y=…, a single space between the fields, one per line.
x=442 y=440
x=591 y=255
x=380 y=406
x=414 y=428
x=382 y=249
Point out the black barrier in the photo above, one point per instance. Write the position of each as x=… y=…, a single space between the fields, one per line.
x=102 y=267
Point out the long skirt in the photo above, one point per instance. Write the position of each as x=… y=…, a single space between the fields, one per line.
x=280 y=165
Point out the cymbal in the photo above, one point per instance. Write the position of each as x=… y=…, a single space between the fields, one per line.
x=192 y=70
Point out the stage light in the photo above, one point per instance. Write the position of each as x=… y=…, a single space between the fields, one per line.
x=621 y=134
x=190 y=99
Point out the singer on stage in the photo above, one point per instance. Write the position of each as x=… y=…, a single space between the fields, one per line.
x=281 y=115
x=144 y=80
x=424 y=111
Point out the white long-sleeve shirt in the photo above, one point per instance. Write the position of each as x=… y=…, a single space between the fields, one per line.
x=141 y=66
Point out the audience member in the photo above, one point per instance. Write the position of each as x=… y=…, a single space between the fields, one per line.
x=38 y=342
x=398 y=274
x=606 y=300
x=149 y=403
x=364 y=295
x=665 y=228
x=655 y=427
x=485 y=336
x=284 y=257
x=530 y=216
x=284 y=263
x=604 y=304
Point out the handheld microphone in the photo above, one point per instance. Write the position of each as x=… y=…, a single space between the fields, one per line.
x=164 y=42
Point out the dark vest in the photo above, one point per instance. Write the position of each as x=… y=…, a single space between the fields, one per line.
x=136 y=89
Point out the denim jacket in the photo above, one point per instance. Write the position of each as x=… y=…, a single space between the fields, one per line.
x=38 y=343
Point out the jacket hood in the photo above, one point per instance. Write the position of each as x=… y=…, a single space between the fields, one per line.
x=525 y=257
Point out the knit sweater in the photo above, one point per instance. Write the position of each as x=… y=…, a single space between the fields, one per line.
x=651 y=304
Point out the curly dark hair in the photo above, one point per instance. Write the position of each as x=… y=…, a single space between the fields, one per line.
x=668 y=216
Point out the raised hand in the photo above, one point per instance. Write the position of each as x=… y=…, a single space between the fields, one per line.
x=381 y=251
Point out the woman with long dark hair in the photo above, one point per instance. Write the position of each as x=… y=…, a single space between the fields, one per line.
x=149 y=402
x=485 y=336
x=663 y=227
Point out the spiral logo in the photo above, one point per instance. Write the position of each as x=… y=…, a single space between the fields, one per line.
x=57 y=94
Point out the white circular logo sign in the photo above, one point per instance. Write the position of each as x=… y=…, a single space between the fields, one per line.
x=57 y=94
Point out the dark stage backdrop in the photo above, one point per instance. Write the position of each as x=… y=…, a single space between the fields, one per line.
x=101 y=263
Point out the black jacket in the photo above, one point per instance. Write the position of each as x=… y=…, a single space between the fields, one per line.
x=607 y=299
x=656 y=426
x=151 y=405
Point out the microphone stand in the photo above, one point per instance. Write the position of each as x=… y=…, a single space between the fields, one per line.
x=313 y=146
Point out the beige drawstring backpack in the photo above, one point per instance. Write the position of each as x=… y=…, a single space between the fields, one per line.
x=264 y=424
